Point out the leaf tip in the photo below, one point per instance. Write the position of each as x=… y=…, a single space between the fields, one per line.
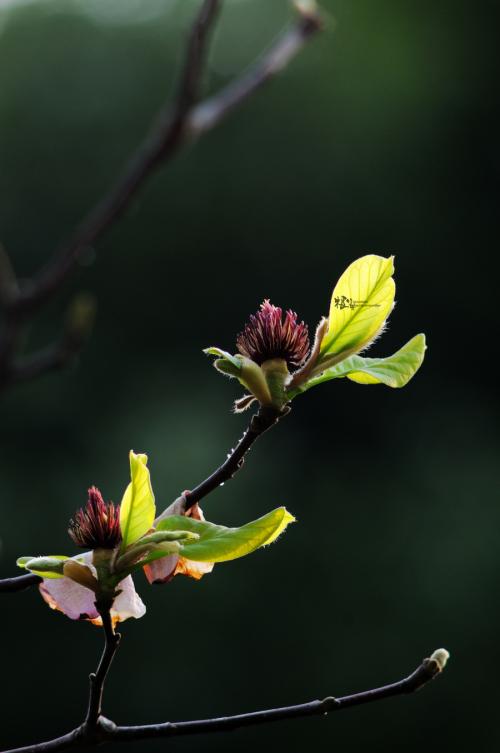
x=138 y=457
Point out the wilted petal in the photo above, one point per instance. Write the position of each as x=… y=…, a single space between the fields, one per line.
x=161 y=570
x=128 y=603
x=178 y=507
x=193 y=569
x=78 y=602
x=75 y=601
x=164 y=569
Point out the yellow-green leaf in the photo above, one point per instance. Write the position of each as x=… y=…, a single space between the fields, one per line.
x=137 y=509
x=361 y=302
x=220 y=544
x=224 y=356
x=393 y=371
x=50 y=566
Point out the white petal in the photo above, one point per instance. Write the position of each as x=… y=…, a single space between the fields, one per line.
x=128 y=603
x=78 y=602
x=161 y=570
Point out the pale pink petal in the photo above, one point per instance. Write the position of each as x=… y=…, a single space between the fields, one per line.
x=178 y=507
x=161 y=570
x=128 y=603
x=78 y=602
x=164 y=569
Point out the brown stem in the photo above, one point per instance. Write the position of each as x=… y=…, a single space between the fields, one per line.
x=19 y=583
x=97 y=679
x=209 y=113
x=259 y=423
x=175 y=125
x=109 y=732
x=163 y=141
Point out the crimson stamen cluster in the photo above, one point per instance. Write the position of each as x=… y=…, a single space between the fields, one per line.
x=97 y=525
x=267 y=336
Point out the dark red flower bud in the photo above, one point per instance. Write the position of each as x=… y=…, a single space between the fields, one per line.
x=267 y=336
x=97 y=525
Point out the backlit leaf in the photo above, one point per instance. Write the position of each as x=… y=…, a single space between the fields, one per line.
x=225 y=356
x=393 y=371
x=137 y=509
x=361 y=302
x=220 y=544
x=50 y=566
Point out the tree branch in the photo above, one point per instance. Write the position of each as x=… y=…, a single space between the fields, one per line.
x=97 y=679
x=158 y=147
x=19 y=583
x=264 y=419
x=175 y=125
x=109 y=732
x=213 y=110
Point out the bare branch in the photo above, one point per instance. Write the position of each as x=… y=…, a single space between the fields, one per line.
x=259 y=423
x=109 y=732
x=20 y=583
x=8 y=281
x=174 y=126
x=158 y=147
x=79 y=322
x=209 y=113
x=97 y=680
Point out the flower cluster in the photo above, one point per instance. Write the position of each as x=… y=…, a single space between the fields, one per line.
x=267 y=336
x=128 y=537
x=275 y=362
x=97 y=525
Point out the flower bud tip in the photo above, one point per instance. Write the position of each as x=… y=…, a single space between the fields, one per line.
x=440 y=656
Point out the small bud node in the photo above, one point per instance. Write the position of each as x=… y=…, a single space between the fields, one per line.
x=440 y=657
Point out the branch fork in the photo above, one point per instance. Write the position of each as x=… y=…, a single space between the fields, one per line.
x=180 y=122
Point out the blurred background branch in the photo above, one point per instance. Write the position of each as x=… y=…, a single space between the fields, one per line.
x=178 y=122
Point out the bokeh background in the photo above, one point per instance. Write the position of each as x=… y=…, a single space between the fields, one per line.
x=382 y=136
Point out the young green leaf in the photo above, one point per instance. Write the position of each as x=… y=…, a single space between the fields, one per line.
x=361 y=302
x=137 y=509
x=393 y=371
x=225 y=356
x=220 y=544
x=47 y=567
x=164 y=542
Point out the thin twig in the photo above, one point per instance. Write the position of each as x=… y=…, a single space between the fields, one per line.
x=19 y=583
x=109 y=732
x=78 y=324
x=259 y=423
x=162 y=142
x=97 y=679
x=209 y=113
x=173 y=128
x=8 y=281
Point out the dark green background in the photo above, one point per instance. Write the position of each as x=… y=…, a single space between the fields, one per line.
x=381 y=137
